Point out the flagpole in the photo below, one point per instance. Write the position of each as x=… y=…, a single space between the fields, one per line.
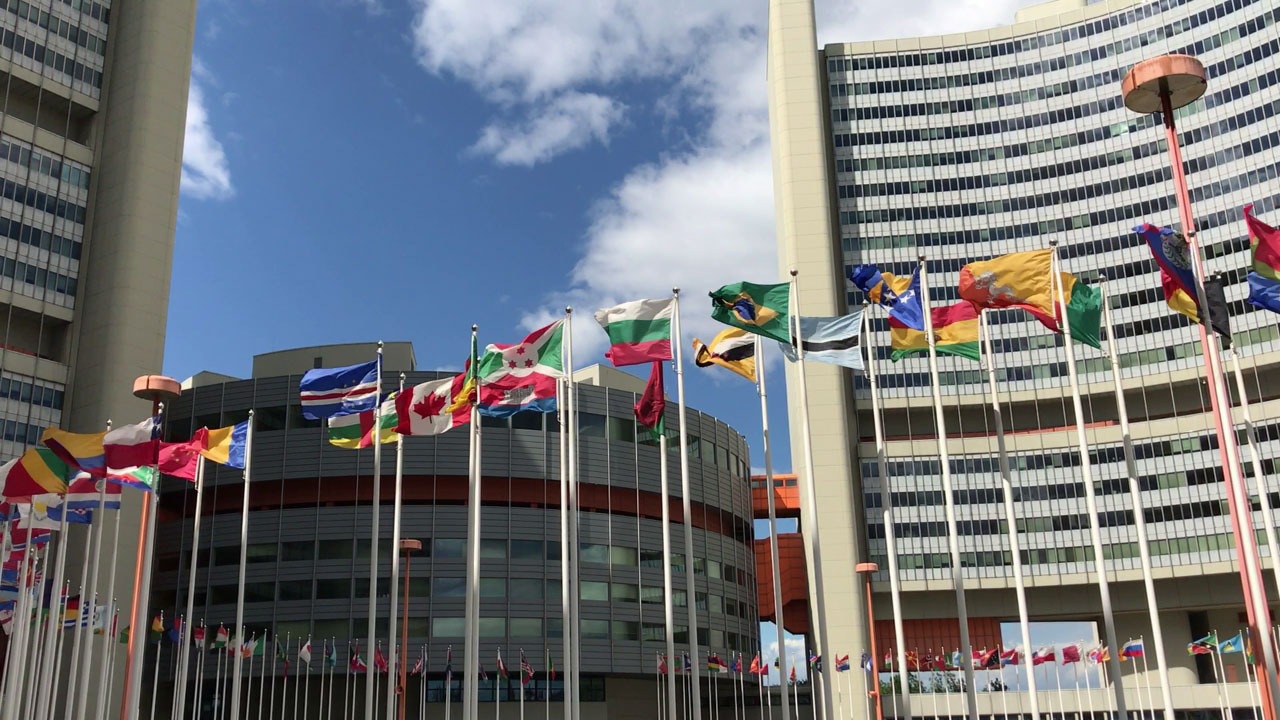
x=668 y=608
x=392 y=648
x=1260 y=478
x=51 y=628
x=108 y=652
x=262 y=677
x=470 y=646
x=1088 y=693
x=1010 y=515
x=198 y=684
x=21 y=624
x=573 y=649
x=155 y=674
x=448 y=683
x=306 y=686
x=73 y=690
x=284 y=682
x=237 y=660
x=1217 y=684
x=373 y=538
x=248 y=693
x=690 y=583
x=953 y=535
x=191 y=582
x=1075 y=678
x=1135 y=499
x=346 y=683
x=562 y=416
x=58 y=641
x=773 y=514
x=219 y=701
x=497 y=689
x=890 y=535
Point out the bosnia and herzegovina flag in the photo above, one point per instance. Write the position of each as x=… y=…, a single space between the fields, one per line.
x=955 y=330
x=760 y=309
x=899 y=295
x=1264 y=276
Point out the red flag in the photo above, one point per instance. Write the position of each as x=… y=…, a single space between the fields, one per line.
x=755 y=665
x=1070 y=654
x=180 y=459
x=379 y=660
x=793 y=673
x=653 y=403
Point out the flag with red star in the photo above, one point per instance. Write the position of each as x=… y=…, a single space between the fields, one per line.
x=523 y=376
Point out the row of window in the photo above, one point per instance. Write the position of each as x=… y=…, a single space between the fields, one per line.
x=52 y=58
x=539 y=689
x=28 y=392
x=38 y=238
x=38 y=276
x=56 y=25
x=42 y=163
x=40 y=200
x=95 y=10
x=1049 y=39
x=20 y=432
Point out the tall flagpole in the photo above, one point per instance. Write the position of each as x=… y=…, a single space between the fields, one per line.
x=1135 y=499
x=237 y=660
x=1010 y=515
x=21 y=626
x=369 y=688
x=50 y=656
x=87 y=601
x=953 y=535
x=563 y=415
x=690 y=583
x=571 y=394
x=1264 y=491
x=1086 y=473
x=890 y=535
x=191 y=583
x=108 y=641
x=471 y=651
x=773 y=514
x=393 y=649
x=668 y=608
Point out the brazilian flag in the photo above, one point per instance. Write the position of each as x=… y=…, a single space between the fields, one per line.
x=760 y=309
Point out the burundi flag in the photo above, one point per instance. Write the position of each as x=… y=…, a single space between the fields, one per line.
x=899 y=295
x=37 y=471
x=1264 y=275
x=228 y=445
x=732 y=349
x=433 y=407
x=955 y=331
x=326 y=392
x=639 y=331
x=651 y=408
x=834 y=340
x=760 y=309
x=523 y=376
x=355 y=431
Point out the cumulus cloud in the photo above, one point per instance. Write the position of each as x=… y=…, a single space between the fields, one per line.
x=206 y=174
x=568 y=122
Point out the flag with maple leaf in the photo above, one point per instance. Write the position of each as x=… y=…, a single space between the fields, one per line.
x=425 y=409
x=523 y=376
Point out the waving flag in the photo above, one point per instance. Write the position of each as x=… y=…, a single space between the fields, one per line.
x=732 y=349
x=1264 y=276
x=83 y=493
x=639 y=331
x=418 y=666
x=379 y=660
x=1203 y=646
x=1011 y=657
x=955 y=331
x=551 y=667
x=304 y=653
x=227 y=446
x=175 y=632
x=526 y=670
x=197 y=637
x=522 y=376
x=1025 y=280
x=448 y=665
x=35 y=472
x=80 y=450
x=842 y=663
x=1070 y=654
x=502 y=669
x=1043 y=655
x=867 y=664
x=356 y=430
x=755 y=665
x=357 y=665
x=650 y=409
x=433 y=407
x=326 y=392
x=834 y=340
x=760 y=309
x=1233 y=644
x=1133 y=648
x=130 y=447
x=899 y=295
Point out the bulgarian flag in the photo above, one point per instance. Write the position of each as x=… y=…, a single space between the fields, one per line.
x=955 y=330
x=522 y=376
x=639 y=331
x=356 y=430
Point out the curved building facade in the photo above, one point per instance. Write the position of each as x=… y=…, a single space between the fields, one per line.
x=964 y=147
x=309 y=529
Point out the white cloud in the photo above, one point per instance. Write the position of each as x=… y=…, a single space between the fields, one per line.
x=568 y=122
x=206 y=174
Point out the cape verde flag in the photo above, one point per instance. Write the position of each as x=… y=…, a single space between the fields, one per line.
x=327 y=392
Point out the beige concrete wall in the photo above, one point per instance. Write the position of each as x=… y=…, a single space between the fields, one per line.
x=807 y=242
x=295 y=361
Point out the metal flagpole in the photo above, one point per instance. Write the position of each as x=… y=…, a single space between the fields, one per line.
x=373 y=541
x=130 y=701
x=59 y=639
x=237 y=661
x=1057 y=677
x=890 y=535
x=191 y=580
x=1086 y=473
x=248 y=693
x=448 y=682
x=346 y=684
x=773 y=514
x=392 y=647
x=953 y=535
x=1137 y=689
x=155 y=674
x=218 y=700
x=108 y=652
x=262 y=677
x=573 y=698
x=657 y=677
x=469 y=675
x=306 y=686
x=562 y=415
x=1220 y=670
x=271 y=704
x=49 y=651
x=1010 y=515
x=21 y=625
x=87 y=602
x=1217 y=684
x=475 y=572
x=1135 y=499
x=86 y=662
x=1075 y=680
x=1146 y=679
x=668 y=609
x=1255 y=703
x=297 y=683
x=690 y=583
x=1088 y=693
x=1004 y=691
x=1260 y=478
x=198 y=683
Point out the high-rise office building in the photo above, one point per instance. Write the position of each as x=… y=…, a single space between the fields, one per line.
x=969 y=146
x=92 y=116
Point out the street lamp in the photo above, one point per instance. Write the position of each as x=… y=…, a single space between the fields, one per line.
x=866 y=569
x=407 y=548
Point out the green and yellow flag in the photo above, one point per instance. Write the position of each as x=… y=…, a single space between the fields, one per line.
x=760 y=309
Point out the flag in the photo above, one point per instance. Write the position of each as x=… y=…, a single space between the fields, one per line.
x=71 y=613
x=899 y=295
x=1248 y=647
x=1133 y=648
x=987 y=659
x=651 y=408
x=755 y=665
x=157 y=629
x=175 y=632
x=760 y=309
x=639 y=331
x=737 y=664
x=1042 y=656
x=793 y=672
x=82 y=493
x=250 y=647
x=1177 y=276
x=713 y=663
x=220 y=638
x=1070 y=654
x=331 y=655
x=80 y=450
x=326 y=392
x=502 y=669
x=356 y=430
x=304 y=653
x=1025 y=280
x=522 y=376
x=433 y=407
x=866 y=663
x=180 y=460
x=1010 y=657
x=888 y=660
x=448 y=664
x=379 y=660
x=688 y=665
x=123 y=637
x=732 y=349
x=662 y=663
x=417 y=666
x=1264 y=276
x=197 y=637
x=130 y=447
x=483 y=675
x=526 y=670
x=1233 y=644
x=842 y=663
x=551 y=667
x=36 y=471
x=815 y=663
x=226 y=446
x=955 y=331
x=834 y=340
x=1204 y=645
x=357 y=665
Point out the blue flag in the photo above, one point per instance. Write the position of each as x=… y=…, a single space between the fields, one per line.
x=866 y=662
x=899 y=295
x=1264 y=292
x=339 y=391
x=835 y=340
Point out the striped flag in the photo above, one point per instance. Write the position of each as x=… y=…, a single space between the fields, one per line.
x=326 y=392
x=639 y=331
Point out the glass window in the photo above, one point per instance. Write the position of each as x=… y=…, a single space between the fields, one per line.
x=553 y=550
x=716 y=604
x=717 y=638
x=530 y=550
x=651 y=595
x=622 y=429
x=493 y=627
x=493 y=549
x=448 y=587
x=226 y=555
x=335 y=549
x=332 y=588
x=448 y=548
x=713 y=568
x=442 y=627
x=420 y=587
x=526 y=589
x=651 y=558
x=699 y=566
x=693 y=446
x=259 y=553
x=555 y=627
x=708 y=452
x=264 y=591
x=626 y=630
x=625 y=592
x=653 y=632
x=527 y=421
x=526 y=627
x=297 y=551
x=487 y=421
x=677 y=562
x=293 y=590
x=491 y=587
x=625 y=556
x=590 y=553
x=289 y=628
x=594 y=629
x=332 y=629
x=591 y=590
x=297 y=421
x=553 y=588
x=590 y=425
x=679 y=598
x=268 y=419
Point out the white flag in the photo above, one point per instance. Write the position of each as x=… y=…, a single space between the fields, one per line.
x=305 y=653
